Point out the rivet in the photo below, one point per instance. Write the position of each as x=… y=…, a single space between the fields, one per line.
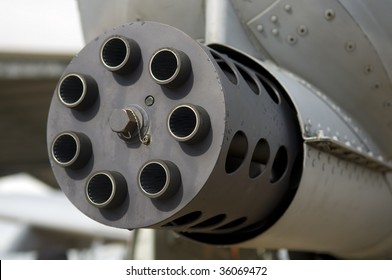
x=350 y=46
x=376 y=86
x=308 y=127
x=274 y=18
x=302 y=30
x=329 y=14
x=260 y=28
x=368 y=69
x=275 y=32
x=288 y=8
x=291 y=39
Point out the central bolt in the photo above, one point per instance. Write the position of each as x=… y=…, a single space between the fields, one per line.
x=123 y=121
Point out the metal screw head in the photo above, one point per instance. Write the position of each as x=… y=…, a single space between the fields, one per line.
x=149 y=101
x=291 y=39
x=288 y=8
x=350 y=46
x=121 y=121
x=376 y=86
x=118 y=120
x=302 y=30
x=368 y=69
x=274 y=18
x=329 y=14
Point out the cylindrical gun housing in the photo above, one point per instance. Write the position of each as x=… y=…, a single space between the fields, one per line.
x=222 y=147
x=203 y=141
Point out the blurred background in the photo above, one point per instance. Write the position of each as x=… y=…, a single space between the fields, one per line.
x=38 y=40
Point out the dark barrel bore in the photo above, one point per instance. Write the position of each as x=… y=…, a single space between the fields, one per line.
x=119 y=54
x=77 y=91
x=188 y=123
x=170 y=67
x=106 y=189
x=70 y=149
x=159 y=179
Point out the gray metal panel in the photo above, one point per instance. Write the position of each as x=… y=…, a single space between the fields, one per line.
x=247 y=10
x=320 y=117
x=223 y=26
x=331 y=211
x=323 y=44
x=374 y=18
x=334 y=147
x=326 y=126
x=100 y=15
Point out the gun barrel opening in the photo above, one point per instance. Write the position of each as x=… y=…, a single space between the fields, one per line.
x=169 y=67
x=106 y=189
x=72 y=90
x=71 y=149
x=119 y=54
x=77 y=91
x=188 y=123
x=159 y=179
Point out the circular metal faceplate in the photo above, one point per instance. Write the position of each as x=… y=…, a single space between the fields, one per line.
x=110 y=152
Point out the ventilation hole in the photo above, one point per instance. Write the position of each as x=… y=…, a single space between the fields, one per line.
x=237 y=152
x=114 y=53
x=164 y=65
x=215 y=55
x=226 y=69
x=184 y=220
x=65 y=149
x=269 y=87
x=100 y=188
x=260 y=159
x=249 y=80
x=71 y=90
x=153 y=178
x=280 y=165
x=211 y=221
x=232 y=224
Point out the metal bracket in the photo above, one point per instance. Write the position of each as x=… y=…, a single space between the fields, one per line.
x=334 y=147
